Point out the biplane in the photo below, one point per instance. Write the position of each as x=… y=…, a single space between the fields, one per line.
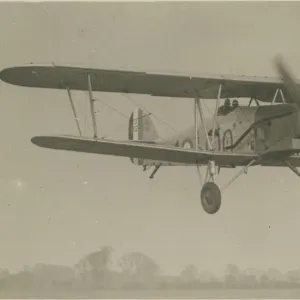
x=236 y=136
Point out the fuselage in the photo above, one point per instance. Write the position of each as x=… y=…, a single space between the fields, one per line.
x=243 y=130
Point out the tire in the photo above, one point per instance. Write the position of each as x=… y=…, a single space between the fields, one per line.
x=210 y=197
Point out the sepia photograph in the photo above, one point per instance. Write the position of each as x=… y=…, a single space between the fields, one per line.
x=150 y=150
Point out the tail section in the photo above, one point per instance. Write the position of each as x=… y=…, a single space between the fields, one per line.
x=141 y=128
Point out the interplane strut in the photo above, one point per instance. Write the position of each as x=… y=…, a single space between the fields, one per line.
x=74 y=111
x=196 y=125
x=216 y=113
x=282 y=96
x=199 y=106
x=278 y=90
x=92 y=106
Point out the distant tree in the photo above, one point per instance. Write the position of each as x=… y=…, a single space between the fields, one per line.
x=94 y=267
x=248 y=281
x=293 y=276
x=275 y=275
x=26 y=268
x=250 y=278
x=139 y=268
x=253 y=272
x=233 y=270
x=4 y=273
x=98 y=260
x=232 y=275
x=206 y=276
x=264 y=280
x=189 y=273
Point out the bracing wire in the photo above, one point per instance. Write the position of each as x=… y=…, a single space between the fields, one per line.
x=121 y=114
x=155 y=116
x=111 y=107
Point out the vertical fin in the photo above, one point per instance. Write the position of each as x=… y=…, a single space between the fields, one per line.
x=141 y=128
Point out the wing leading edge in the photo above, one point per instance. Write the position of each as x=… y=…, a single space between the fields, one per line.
x=161 y=85
x=157 y=152
x=141 y=150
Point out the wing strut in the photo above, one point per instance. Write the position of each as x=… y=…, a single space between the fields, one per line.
x=275 y=96
x=244 y=170
x=154 y=171
x=282 y=96
x=293 y=168
x=216 y=114
x=196 y=125
x=199 y=105
x=74 y=110
x=251 y=99
x=92 y=106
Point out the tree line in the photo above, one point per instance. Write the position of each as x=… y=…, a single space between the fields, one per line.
x=135 y=270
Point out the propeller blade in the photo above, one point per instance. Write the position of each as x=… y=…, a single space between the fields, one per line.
x=289 y=81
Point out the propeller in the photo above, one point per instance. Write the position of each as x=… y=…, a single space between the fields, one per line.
x=291 y=87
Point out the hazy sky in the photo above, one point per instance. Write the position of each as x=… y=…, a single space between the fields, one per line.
x=57 y=206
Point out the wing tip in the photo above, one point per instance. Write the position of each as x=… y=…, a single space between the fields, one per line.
x=40 y=141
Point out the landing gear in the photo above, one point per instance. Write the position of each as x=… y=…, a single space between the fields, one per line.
x=210 y=197
x=210 y=194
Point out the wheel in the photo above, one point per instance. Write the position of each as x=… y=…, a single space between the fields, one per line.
x=210 y=197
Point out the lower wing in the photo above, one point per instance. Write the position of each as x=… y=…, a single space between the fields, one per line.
x=142 y=150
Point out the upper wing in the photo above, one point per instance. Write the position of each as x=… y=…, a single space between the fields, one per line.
x=118 y=81
x=141 y=150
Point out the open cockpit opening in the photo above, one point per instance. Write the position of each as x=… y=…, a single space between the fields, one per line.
x=228 y=107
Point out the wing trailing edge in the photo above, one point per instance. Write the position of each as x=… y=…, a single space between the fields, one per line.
x=132 y=82
x=157 y=152
x=141 y=150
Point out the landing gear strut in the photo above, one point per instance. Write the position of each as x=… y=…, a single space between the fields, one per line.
x=210 y=193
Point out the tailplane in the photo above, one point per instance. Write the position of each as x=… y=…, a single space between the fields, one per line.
x=141 y=128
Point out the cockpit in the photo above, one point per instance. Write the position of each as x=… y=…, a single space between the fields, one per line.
x=228 y=107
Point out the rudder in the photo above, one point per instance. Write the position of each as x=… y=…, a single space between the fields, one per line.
x=141 y=128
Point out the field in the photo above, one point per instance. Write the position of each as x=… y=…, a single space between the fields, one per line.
x=164 y=294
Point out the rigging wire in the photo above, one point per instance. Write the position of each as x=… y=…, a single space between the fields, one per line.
x=149 y=113
x=111 y=107
x=155 y=116
x=121 y=114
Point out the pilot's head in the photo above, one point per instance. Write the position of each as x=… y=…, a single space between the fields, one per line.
x=227 y=102
x=235 y=103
